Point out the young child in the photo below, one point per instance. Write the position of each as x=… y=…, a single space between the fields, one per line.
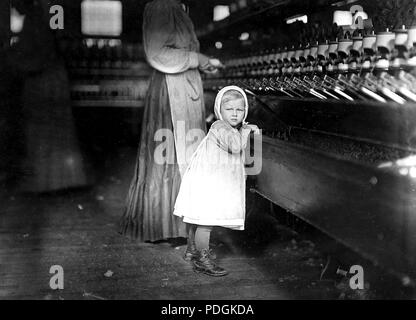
x=212 y=192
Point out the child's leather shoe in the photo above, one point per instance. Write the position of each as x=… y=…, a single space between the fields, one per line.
x=203 y=264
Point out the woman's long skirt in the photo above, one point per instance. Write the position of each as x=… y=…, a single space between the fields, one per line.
x=148 y=215
x=53 y=159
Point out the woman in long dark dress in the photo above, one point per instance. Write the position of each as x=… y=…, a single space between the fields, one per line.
x=53 y=160
x=175 y=103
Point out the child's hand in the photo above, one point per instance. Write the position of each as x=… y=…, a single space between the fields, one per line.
x=254 y=128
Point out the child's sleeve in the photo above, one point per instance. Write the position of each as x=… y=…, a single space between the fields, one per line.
x=230 y=139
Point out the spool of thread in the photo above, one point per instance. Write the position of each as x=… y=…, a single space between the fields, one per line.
x=357 y=44
x=270 y=57
x=366 y=64
x=333 y=48
x=385 y=41
x=291 y=54
x=306 y=52
x=369 y=42
x=314 y=51
x=277 y=56
x=323 y=50
x=411 y=62
x=382 y=64
x=401 y=36
x=298 y=54
x=411 y=37
x=344 y=46
x=342 y=67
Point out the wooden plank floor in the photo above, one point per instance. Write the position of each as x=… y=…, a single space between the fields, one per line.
x=78 y=230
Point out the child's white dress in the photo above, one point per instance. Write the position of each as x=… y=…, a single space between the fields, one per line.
x=212 y=192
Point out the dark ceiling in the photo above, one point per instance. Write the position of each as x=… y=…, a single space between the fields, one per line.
x=201 y=12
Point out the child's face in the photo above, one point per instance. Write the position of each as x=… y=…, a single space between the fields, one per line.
x=233 y=111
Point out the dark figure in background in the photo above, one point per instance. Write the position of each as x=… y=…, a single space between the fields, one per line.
x=9 y=107
x=52 y=156
x=175 y=103
x=11 y=142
